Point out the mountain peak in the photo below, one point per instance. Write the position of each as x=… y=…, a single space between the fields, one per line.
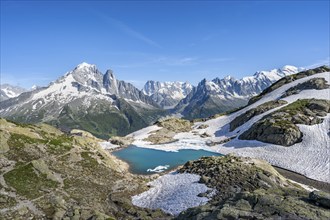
x=290 y=69
x=84 y=65
x=110 y=82
x=229 y=78
x=167 y=94
x=110 y=74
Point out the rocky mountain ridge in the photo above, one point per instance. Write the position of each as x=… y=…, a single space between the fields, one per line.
x=221 y=95
x=167 y=94
x=85 y=94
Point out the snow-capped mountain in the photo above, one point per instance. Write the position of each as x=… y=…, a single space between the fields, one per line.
x=253 y=85
x=219 y=95
x=8 y=91
x=167 y=94
x=85 y=98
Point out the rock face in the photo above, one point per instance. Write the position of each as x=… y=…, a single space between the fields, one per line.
x=280 y=127
x=240 y=120
x=249 y=189
x=46 y=174
x=167 y=94
x=316 y=83
x=278 y=132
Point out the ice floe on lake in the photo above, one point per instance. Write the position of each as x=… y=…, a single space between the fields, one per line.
x=159 y=169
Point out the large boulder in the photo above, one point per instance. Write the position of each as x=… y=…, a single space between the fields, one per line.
x=280 y=127
x=279 y=132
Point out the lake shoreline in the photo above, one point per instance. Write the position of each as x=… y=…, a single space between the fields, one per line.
x=289 y=174
x=140 y=160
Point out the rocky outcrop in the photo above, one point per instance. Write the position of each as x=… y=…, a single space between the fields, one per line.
x=280 y=126
x=316 y=83
x=288 y=79
x=170 y=127
x=162 y=136
x=240 y=120
x=274 y=131
x=249 y=189
x=214 y=143
x=121 y=141
x=175 y=124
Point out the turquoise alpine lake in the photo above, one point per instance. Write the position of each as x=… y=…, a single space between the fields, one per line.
x=149 y=161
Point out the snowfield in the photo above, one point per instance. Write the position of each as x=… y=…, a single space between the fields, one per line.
x=310 y=157
x=173 y=193
x=107 y=145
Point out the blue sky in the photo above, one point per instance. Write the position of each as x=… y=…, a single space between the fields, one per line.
x=165 y=41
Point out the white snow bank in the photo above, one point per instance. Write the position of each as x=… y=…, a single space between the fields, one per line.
x=173 y=193
x=193 y=144
x=308 y=188
x=107 y=145
x=309 y=157
x=159 y=169
x=144 y=133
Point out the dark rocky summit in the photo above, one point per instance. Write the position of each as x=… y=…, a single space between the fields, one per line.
x=251 y=189
x=280 y=126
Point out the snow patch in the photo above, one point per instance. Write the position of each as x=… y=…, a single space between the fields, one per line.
x=107 y=145
x=173 y=193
